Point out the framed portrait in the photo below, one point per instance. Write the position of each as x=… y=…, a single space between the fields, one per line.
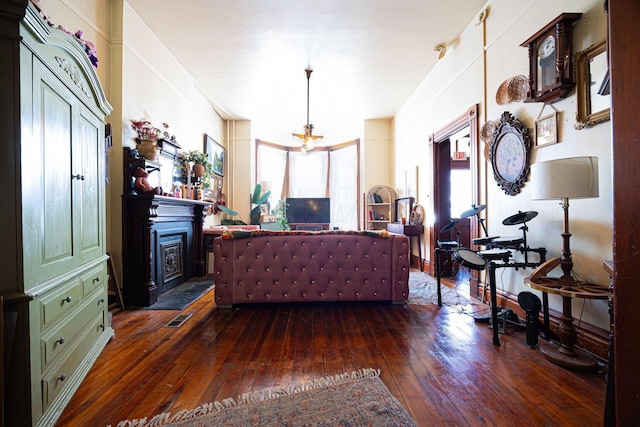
x=216 y=154
x=545 y=130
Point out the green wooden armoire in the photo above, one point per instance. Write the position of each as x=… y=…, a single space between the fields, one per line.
x=52 y=215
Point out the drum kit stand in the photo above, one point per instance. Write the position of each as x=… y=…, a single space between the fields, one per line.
x=497 y=253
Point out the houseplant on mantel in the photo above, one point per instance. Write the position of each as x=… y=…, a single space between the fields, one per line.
x=202 y=167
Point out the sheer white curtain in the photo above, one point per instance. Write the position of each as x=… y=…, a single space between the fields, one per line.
x=344 y=193
x=308 y=174
x=328 y=172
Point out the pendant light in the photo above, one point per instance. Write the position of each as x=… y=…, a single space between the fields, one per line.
x=307 y=137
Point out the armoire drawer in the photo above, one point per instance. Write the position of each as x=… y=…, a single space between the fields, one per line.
x=54 y=381
x=60 y=301
x=64 y=335
x=93 y=279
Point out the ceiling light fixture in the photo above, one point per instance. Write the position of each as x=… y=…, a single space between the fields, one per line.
x=307 y=138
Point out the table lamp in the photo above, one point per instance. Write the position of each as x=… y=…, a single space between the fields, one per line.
x=564 y=179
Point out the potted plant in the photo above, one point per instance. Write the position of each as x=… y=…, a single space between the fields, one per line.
x=202 y=167
x=256 y=201
x=281 y=214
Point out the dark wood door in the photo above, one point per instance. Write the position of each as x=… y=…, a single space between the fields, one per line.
x=440 y=148
x=625 y=86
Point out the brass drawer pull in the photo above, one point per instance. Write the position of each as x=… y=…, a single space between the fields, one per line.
x=61 y=340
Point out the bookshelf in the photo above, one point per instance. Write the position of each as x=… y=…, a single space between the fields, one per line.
x=379 y=207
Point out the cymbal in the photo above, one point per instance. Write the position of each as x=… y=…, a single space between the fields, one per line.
x=520 y=218
x=449 y=226
x=475 y=210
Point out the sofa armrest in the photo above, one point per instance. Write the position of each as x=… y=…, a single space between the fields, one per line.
x=400 y=268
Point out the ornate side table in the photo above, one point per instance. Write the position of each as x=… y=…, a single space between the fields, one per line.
x=565 y=355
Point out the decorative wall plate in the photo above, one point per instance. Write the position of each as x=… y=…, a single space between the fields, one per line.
x=417 y=215
x=509 y=154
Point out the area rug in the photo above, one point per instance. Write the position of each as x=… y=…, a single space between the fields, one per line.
x=358 y=398
x=182 y=295
x=423 y=290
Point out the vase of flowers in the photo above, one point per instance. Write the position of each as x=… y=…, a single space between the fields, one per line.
x=148 y=134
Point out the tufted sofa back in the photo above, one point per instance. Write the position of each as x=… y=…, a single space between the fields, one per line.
x=311 y=267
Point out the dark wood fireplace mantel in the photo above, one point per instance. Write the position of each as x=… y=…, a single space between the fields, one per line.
x=162 y=245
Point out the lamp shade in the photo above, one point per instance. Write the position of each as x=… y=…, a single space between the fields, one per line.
x=571 y=178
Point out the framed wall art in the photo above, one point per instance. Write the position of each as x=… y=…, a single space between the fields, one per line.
x=509 y=154
x=216 y=154
x=545 y=130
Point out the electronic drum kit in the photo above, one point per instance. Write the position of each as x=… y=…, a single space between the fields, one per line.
x=497 y=252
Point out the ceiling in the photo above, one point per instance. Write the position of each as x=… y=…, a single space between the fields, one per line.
x=249 y=56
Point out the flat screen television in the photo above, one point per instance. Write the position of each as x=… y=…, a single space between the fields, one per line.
x=308 y=210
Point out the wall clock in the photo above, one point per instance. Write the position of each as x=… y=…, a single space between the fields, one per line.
x=509 y=154
x=551 y=60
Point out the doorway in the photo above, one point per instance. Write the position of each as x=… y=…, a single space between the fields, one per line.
x=454 y=150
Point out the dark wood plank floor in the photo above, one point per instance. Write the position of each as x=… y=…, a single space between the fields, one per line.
x=438 y=362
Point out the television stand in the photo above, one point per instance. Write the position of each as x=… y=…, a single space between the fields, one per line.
x=309 y=227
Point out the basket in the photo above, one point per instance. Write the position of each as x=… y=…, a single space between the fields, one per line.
x=513 y=89
x=486 y=131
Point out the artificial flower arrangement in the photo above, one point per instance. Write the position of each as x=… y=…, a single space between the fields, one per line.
x=146 y=130
x=89 y=47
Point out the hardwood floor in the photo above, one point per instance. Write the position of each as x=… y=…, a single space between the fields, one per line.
x=438 y=362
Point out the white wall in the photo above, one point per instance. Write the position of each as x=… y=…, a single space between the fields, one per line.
x=377 y=154
x=241 y=157
x=459 y=80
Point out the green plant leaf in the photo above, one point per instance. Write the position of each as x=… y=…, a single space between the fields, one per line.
x=263 y=199
x=255 y=215
x=227 y=210
x=256 y=193
x=232 y=222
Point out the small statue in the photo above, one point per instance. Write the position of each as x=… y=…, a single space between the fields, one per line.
x=141 y=185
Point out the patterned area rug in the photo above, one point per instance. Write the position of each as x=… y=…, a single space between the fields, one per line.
x=356 y=399
x=423 y=290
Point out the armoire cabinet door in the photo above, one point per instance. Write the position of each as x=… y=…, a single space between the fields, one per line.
x=88 y=192
x=63 y=190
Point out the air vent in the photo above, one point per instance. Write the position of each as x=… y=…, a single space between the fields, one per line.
x=178 y=321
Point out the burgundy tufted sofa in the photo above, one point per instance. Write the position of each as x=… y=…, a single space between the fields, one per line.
x=261 y=267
